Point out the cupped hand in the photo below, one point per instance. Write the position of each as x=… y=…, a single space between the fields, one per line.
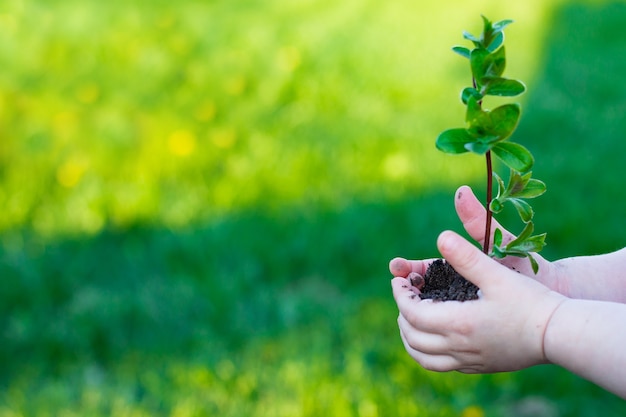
x=501 y=331
x=471 y=212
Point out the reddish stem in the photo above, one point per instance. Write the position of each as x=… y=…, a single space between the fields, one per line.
x=488 y=215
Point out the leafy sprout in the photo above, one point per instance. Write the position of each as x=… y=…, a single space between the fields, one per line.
x=489 y=131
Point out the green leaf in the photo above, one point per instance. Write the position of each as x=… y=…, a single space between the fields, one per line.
x=499 y=26
x=525 y=243
x=524 y=234
x=497 y=237
x=500 y=183
x=524 y=209
x=504 y=119
x=477 y=63
x=524 y=186
x=533 y=188
x=514 y=156
x=490 y=127
x=487 y=27
x=475 y=115
x=517 y=183
x=495 y=36
x=470 y=92
x=497 y=252
x=454 y=141
x=533 y=263
x=487 y=35
x=495 y=206
x=478 y=147
x=496 y=42
x=461 y=50
x=494 y=63
x=531 y=244
x=476 y=41
x=503 y=87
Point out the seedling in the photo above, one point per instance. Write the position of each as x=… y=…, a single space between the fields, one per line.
x=488 y=133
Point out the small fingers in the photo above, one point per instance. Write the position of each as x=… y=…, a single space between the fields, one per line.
x=403 y=291
x=416 y=280
x=428 y=343
x=426 y=315
x=430 y=362
x=435 y=352
x=400 y=267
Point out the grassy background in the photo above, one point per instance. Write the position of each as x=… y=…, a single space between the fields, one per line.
x=199 y=200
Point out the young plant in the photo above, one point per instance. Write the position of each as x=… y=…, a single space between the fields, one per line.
x=488 y=132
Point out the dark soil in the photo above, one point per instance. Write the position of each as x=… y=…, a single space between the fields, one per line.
x=443 y=283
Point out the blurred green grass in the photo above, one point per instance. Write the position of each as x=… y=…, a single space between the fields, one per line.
x=199 y=200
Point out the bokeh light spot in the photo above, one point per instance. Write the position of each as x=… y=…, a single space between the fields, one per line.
x=396 y=166
x=473 y=411
x=182 y=142
x=70 y=173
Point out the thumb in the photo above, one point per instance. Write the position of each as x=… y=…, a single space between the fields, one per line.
x=468 y=260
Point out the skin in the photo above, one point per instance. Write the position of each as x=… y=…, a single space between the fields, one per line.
x=572 y=313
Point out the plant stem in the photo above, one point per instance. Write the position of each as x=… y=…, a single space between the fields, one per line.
x=488 y=214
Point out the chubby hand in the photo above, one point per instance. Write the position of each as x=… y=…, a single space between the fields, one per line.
x=472 y=214
x=501 y=331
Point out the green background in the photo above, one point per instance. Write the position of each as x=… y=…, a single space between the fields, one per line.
x=199 y=199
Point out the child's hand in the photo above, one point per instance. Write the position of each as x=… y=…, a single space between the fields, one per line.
x=501 y=331
x=472 y=214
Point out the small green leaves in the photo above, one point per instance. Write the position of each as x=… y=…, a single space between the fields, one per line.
x=504 y=120
x=485 y=132
x=487 y=69
x=478 y=57
x=454 y=141
x=499 y=26
x=464 y=52
x=488 y=131
x=522 y=246
x=470 y=92
x=492 y=36
x=487 y=64
x=497 y=86
x=514 y=156
x=519 y=187
x=494 y=86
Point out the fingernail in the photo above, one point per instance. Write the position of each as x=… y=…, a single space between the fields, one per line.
x=445 y=240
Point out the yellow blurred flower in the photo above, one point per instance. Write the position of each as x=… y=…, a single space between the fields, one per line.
x=473 y=411
x=70 y=173
x=182 y=142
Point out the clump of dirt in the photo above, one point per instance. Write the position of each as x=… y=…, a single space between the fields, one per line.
x=443 y=283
